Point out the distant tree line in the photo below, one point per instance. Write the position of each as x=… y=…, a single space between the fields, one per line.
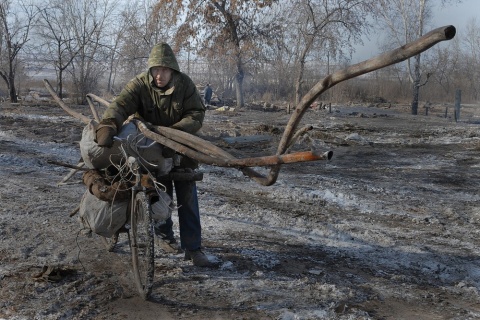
x=271 y=50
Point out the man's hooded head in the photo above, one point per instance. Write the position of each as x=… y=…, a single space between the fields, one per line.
x=162 y=56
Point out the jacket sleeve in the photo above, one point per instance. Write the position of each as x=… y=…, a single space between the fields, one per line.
x=126 y=103
x=193 y=110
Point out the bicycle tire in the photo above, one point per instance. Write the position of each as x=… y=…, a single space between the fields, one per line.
x=142 y=245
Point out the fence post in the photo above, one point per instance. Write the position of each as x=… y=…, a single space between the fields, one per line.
x=458 y=100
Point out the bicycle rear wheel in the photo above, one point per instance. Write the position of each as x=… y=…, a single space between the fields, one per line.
x=142 y=245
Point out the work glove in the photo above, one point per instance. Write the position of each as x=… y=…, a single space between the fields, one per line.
x=167 y=152
x=105 y=132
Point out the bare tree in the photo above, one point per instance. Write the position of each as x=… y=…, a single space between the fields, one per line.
x=471 y=58
x=88 y=21
x=114 y=42
x=147 y=22
x=330 y=27
x=445 y=64
x=58 y=43
x=235 y=29
x=16 y=23
x=405 y=20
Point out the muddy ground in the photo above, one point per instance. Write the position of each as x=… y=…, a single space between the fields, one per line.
x=388 y=229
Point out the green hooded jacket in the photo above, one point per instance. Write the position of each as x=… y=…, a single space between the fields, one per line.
x=178 y=105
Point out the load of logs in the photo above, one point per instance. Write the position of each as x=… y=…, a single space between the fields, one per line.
x=207 y=153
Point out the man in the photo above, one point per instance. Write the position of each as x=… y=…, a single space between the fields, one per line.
x=164 y=96
x=207 y=94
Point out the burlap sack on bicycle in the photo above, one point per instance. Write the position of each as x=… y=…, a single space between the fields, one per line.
x=96 y=157
x=104 y=218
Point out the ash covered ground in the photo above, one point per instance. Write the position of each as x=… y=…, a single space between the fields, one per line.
x=388 y=229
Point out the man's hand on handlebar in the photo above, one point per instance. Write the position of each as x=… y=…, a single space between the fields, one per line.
x=105 y=132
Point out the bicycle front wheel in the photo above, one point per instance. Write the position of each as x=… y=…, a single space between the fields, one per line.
x=142 y=245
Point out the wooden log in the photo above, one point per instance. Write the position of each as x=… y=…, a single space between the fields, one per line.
x=224 y=159
x=93 y=108
x=102 y=101
x=64 y=106
x=397 y=55
x=63 y=164
x=72 y=172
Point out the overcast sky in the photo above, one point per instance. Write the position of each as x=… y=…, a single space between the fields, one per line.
x=457 y=15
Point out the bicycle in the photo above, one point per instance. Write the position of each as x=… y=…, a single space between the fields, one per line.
x=149 y=206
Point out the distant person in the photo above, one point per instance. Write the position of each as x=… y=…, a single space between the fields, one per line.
x=207 y=94
x=164 y=96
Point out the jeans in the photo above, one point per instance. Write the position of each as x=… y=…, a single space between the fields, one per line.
x=188 y=215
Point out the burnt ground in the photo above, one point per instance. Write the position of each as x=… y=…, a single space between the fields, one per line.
x=388 y=229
